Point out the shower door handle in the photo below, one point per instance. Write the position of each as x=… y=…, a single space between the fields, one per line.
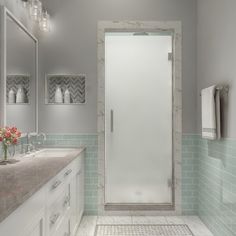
x=112 y=121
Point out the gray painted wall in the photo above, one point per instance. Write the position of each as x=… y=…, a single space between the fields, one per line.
x=216 y=53
x=71 y=48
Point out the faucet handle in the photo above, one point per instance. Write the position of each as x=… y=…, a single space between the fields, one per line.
x=28 y=147
x=32 y=135
x=43 y=135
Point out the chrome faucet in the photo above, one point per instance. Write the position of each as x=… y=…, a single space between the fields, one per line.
x=42 y=135
x=33 y=145
x=39 y=142
x=29 y=145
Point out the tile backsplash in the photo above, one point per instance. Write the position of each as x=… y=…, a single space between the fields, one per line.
x=217 y=185
x=189 y=174
x=208 y=177
x=209 y=182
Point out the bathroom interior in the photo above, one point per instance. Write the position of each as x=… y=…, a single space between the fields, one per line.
x=79 y=157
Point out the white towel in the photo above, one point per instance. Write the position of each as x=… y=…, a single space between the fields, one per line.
x=211 y=127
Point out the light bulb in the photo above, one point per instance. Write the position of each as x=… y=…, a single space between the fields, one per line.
x=25 y=3
x=35 y=9
x=44 y=23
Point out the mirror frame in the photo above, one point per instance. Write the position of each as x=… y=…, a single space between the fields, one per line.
x=4 y=13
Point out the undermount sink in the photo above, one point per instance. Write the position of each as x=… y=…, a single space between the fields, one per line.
x=51 y=152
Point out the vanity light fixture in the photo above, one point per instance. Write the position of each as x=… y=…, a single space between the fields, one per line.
x=37 y=13
x=25 y=3
x=44 y=23
x=35 y=8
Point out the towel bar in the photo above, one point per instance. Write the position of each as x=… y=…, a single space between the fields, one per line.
x=223 y=89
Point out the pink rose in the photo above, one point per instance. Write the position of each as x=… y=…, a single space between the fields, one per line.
x=13 y=130
x=8 y=134
x=14 y=141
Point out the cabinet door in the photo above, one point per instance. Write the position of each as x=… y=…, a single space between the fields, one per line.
x=80 y=192
x=36 y=230
x=63 y=229
x=35 y=227
x=73 y=201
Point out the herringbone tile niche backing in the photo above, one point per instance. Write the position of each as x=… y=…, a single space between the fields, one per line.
x=14 y=81
x=75 y=84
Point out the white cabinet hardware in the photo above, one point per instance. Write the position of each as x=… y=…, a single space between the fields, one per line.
x=67 y=201
x=68 y=172
x=56 y=184
x=54 y=218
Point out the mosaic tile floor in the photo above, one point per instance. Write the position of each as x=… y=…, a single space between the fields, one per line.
x=195 y=225
x=142 y=230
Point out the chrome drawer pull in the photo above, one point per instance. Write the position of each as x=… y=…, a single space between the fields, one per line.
x=54 y=218
x=68 y=172
x=56 y=184
x=67 y=200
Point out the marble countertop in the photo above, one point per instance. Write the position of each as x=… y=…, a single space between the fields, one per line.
x=19 y=181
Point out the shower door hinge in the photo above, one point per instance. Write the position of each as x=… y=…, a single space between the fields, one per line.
x=170 y=56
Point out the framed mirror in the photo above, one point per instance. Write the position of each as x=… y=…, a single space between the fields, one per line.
x=19 y=74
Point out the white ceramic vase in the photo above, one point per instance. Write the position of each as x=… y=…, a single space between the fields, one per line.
x=58 y=95
x=67 y=96
x=11 y=96
x=20 y=95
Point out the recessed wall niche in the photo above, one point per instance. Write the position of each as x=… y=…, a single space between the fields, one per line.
x=74 y=83
x=14 y=82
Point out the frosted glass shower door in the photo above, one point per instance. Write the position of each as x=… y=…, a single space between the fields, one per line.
x=138 y=123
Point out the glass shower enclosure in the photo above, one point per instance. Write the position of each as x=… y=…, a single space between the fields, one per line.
x=138 y=118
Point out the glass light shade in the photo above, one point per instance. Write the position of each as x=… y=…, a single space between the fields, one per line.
x=25 y=3
x=44 y=23
x=35 y=9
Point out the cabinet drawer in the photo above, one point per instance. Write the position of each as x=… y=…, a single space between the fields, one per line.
x=63 y=229
x=58 y=209
x=56 y=185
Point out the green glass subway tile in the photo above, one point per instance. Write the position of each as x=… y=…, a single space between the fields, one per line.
x=215 y=188
x=233 y=187
x=229 y=177
x=54 y=136
x=187 y=142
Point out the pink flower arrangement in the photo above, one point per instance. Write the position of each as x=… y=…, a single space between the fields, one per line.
x=9 y=135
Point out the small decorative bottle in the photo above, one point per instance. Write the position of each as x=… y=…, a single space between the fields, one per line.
x=58 y=95
x=11 y=96
x=67 y=96
x=20 y=95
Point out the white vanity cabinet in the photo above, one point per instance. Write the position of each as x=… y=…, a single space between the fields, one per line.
x=55 y=210
x=28 y=219
x=77 y=196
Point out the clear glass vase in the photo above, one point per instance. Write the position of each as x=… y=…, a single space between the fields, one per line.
x=5 y=152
